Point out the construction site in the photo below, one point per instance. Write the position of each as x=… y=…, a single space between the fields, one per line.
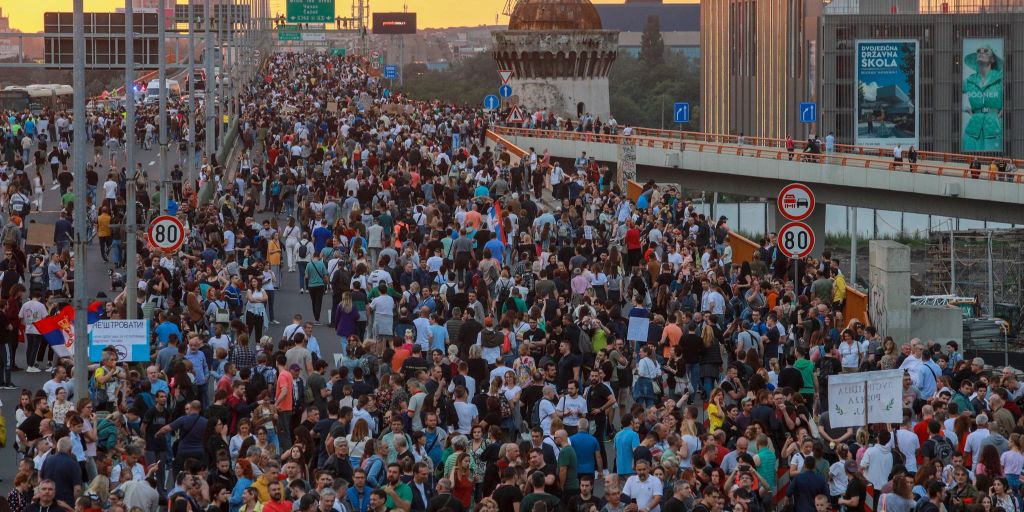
x=982 y=272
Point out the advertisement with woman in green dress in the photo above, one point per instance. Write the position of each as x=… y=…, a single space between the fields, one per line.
x=982 y=105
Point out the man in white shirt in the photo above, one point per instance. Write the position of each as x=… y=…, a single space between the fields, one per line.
x=877 y=461
x=58 y=381
x=31 y=312
x=466 y=411
x=422 y=324
x=644 y=488
x=908 y=443
x=571 y=407
x=973 y=444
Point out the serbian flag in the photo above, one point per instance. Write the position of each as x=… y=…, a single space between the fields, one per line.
x=59 y=331
x=95 y=311
x=499 y=223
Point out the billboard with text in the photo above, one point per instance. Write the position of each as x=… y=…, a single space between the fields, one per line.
x=886 y=94
x=394 y=23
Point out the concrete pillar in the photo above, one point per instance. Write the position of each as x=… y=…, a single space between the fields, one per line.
x=889 y=298
x=816 y=222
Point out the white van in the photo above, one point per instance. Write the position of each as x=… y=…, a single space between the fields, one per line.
x=153 y=91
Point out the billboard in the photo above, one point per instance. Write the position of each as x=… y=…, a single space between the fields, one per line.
x=886 y=97
x=982 y=103
x=394 y=23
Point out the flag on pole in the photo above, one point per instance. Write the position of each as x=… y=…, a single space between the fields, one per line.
x=58 y=330
x=95 y=311
x=499 y=223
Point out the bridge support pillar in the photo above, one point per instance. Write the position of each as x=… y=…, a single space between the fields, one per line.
x=889 y=299
x=816 y=222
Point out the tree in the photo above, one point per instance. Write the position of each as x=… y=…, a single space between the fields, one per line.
x=652 y=45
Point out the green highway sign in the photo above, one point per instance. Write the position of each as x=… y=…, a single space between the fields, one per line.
x=288 y=33
x=338 y=52
x=310 y=11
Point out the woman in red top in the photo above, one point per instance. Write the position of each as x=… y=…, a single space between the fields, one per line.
x=633 y=245
x=462 y=481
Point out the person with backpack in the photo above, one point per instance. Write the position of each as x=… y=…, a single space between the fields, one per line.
x=303 y=255
x=938 y=446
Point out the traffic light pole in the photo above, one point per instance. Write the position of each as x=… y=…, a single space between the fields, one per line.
x=131 y=264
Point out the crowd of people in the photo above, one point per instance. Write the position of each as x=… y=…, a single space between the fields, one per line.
x=507 y=334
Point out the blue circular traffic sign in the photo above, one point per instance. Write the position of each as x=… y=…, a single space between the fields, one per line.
x=505 y=91
x=491 y=102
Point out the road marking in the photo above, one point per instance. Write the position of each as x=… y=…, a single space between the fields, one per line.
x=55 y=186
x=152 y=163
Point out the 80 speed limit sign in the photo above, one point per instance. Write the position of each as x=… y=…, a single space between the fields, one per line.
x=166 y=233
x=796 y=240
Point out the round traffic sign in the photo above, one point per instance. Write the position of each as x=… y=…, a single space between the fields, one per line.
x=166 y=233
x=505 y=91
x=796 y=201
x=796 y=240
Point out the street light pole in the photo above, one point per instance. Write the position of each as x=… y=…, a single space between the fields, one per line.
x=211 y=86
x=132 y=264
x=81 y=346
x=162 y=157
x=191 y=89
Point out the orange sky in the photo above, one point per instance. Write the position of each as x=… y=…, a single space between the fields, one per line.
x=28 y=15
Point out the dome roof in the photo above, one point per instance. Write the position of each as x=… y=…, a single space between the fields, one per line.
x=554 y=15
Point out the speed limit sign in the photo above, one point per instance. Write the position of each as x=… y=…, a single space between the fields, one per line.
x=166 y=233
x=796 y=240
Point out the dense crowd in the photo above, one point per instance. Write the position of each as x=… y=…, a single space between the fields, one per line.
x=483 y=304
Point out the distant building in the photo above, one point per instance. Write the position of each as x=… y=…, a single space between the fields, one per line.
x=680 y=24
x=952 y=104
x=758 y=63
x=560 y=57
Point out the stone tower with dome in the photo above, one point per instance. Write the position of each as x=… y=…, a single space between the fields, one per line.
x=559 y=56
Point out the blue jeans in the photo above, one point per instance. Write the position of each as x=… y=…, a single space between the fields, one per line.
x=270 y=303
x=709 y=383
x=115 y=252
x=693 y=372
x=302 y=274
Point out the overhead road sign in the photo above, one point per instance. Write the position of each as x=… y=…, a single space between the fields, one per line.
x=310 y=11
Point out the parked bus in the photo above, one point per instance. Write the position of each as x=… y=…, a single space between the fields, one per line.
x=36 y=97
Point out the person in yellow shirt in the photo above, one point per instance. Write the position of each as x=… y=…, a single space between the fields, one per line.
x=716 y=410
x=274 y=251
x=262 y=484
x=103 y=232
x=838 y=287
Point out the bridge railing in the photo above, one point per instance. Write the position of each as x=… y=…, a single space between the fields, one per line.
x=956 y=170
x=869 y=151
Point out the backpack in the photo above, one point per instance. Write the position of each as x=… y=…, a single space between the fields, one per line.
x=303 y=249
x=535 y=418
x=221 y=315
x=492 y=273
x=257 y=379
x=9 y=237
x=506 y=406
x=943 y=449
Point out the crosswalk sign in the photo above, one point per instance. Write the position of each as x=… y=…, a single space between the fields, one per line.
x=516 y=116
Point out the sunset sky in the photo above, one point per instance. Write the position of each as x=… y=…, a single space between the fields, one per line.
x=27 y=16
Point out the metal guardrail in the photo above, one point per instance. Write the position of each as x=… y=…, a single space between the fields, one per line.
x=772 y=153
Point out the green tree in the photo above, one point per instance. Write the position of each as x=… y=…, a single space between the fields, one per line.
x=652 y=45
